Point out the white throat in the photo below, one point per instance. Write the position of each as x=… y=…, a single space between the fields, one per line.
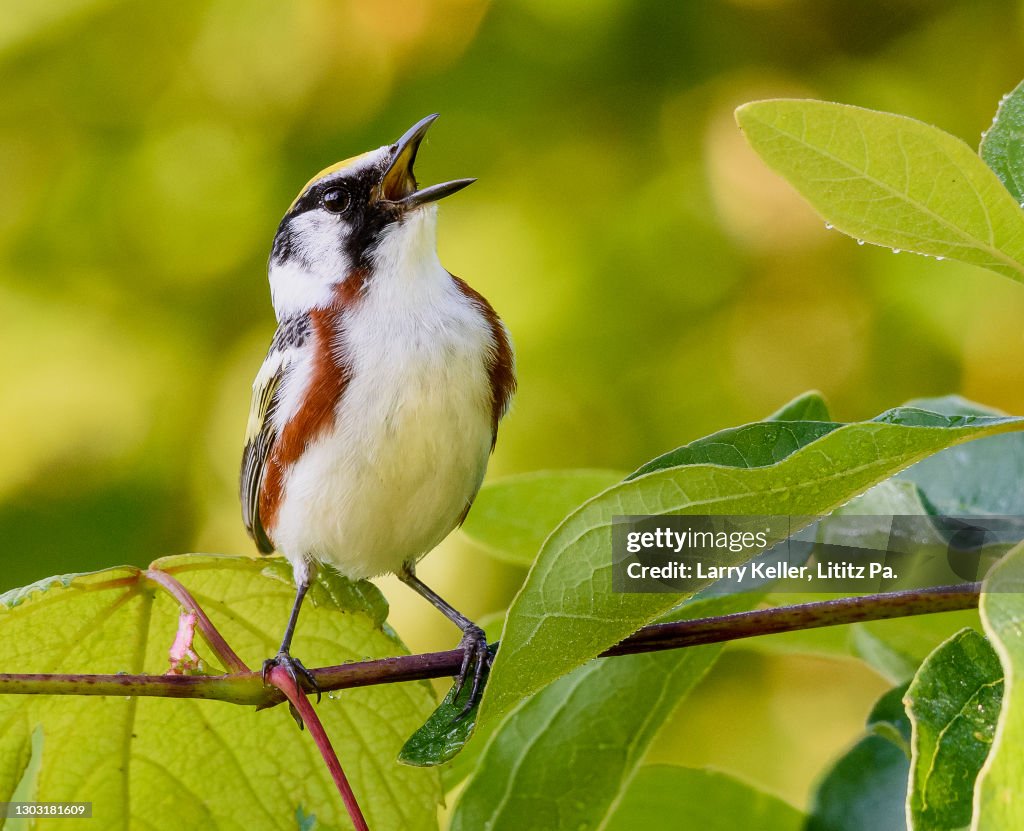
x=408 y=249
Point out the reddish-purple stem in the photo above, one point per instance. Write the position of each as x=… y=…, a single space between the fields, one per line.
x=231 y=662
x=245 y=687
x=280 y=678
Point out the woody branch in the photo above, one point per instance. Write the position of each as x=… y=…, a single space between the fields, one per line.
x=243 y=686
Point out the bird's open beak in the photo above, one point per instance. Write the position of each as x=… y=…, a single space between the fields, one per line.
x=398 y=186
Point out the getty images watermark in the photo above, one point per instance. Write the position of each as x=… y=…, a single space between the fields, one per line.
x=847 y=554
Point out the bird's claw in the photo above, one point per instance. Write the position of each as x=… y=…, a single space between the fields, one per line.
x=476 y=658
x=302 y=677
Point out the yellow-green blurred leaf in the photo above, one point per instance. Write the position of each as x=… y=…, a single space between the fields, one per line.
x=512 y=517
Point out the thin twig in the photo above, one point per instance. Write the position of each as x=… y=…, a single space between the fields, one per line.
x=280 y=678
x=247 y=688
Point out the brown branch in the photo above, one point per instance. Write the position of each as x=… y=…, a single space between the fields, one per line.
x=823 y=613
x=247 y=687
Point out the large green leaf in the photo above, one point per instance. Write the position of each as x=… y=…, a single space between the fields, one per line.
x=160 y=763
x=997 y=802
x=565 y=757
x=511 y=517
x=669 y=798
x=1002 y=146
x=953 y=703
x=891 y=180
x=566 y=612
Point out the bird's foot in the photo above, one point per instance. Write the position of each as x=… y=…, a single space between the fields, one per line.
x=302 y=677
x=476 y=660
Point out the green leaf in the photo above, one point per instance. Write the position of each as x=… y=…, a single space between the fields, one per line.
x=885 y=656
x=1002 y=146
x=889 y=719
x=890 y=180
x=981 y=478
x=563 y=758
x=182 y=763
x=667 y=798
x=823 y=641
x=511 y=517
x=447 y=730
x=997 y=793
x=953 y=405
x=953 y=702
x=759 y=444
x=866 y=789
x=566 y=612
x=305 y=822
x=896 y=648
x=461 y=754
x=886 y=499
x=810 y=406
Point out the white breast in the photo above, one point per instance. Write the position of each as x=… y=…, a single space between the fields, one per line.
x=413 y=429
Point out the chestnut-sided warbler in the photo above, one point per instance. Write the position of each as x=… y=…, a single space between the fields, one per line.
x=377 y=407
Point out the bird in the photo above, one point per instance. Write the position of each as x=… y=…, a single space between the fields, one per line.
x=376 y=410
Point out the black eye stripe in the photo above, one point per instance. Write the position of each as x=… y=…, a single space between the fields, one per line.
x=363 y=219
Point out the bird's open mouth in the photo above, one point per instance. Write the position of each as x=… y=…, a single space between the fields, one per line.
x=398 y=185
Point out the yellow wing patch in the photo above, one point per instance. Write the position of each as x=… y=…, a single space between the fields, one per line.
x=261 y=398
x=259 y=438
x=327 y=171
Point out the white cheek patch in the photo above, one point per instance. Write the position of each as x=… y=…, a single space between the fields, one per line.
x=318 y=237
x=306 y=279
x=295 y=290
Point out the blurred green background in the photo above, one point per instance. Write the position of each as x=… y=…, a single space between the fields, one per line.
x=659 y=281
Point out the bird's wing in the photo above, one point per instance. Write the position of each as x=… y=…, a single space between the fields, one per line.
x=262 y=429
x=260 y=435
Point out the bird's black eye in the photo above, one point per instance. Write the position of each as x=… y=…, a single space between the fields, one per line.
x=336 y=200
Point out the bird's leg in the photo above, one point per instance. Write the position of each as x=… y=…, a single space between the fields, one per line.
x=284 y=659
x=475 y=653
